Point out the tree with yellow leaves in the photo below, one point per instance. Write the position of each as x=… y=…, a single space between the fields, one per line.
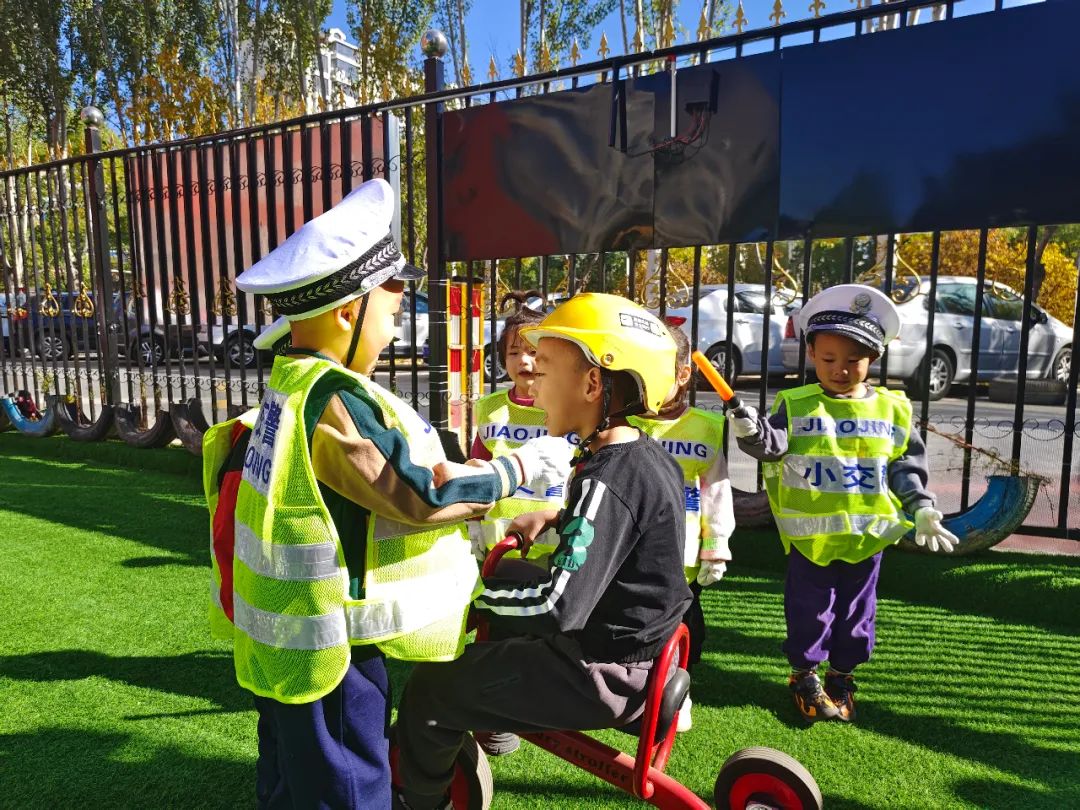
x=1006 y=263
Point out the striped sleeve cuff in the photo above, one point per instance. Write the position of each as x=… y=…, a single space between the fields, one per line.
x=509 y=473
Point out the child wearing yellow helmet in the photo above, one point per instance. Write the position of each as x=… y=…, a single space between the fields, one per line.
x=588 y=628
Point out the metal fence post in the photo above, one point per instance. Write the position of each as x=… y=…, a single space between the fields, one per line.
x=434 y=46
x=96 y=214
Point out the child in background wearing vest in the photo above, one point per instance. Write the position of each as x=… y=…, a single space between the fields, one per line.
x=695 y=438
x=844 y=465
x=505 y=420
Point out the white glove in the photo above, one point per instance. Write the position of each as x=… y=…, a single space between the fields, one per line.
x=711 y=571
x=476 y=539
x=545 y=462
x=744 y=427
x=930 y=533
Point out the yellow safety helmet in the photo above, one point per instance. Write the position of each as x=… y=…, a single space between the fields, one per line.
x=617 y=335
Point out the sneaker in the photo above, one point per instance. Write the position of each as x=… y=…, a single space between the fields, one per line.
x=810 y=697
x=840 y=687
x=685 y=722
x=497 y=743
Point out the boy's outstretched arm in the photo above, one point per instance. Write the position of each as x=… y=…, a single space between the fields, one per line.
x=761 y=437
x=371 y=464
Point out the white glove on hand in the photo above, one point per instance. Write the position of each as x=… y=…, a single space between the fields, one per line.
x=744 y=427
x=930 y=533
x=545 y=461
x=476 y=539
x=711 y=571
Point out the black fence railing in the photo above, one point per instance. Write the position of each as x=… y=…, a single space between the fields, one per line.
x=120 y=313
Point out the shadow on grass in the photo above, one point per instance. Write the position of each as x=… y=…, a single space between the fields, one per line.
x=984 y=793
x=1037 y=590
x=158 y=510
x=63 y=767
x=208 y=676
x=1056 y=768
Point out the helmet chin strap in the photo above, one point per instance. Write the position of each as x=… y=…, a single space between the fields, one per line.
x=356 y=332
x=584 y=452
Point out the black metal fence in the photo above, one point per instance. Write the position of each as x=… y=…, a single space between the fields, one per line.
x=127 y=319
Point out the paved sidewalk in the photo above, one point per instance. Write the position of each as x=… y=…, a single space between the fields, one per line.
x=1039 y=545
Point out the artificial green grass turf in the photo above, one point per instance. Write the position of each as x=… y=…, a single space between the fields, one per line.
x=112 y=693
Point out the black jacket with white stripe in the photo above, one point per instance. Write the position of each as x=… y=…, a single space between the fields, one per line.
x=616 y=582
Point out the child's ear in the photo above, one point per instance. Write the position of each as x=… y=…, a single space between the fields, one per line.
x=345 y=315
x=594 y=385
x=810 y=350
x=682 y=377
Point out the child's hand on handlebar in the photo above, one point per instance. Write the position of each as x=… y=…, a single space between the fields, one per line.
x=531 y=525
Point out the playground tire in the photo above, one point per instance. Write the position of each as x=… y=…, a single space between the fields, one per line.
x=997 y=514
x=74 y=423
x=473 y=786
x=128 y=418
x=765 y=777
x=751 y=509
x=41 y=427
x=190 y=424
x=1036 y=392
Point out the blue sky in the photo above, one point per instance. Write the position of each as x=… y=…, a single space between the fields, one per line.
x=492 y=25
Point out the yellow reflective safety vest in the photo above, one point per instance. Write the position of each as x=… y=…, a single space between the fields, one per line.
x=830 y=493
x=293 y=621
x=693 y=440
x=503 y=426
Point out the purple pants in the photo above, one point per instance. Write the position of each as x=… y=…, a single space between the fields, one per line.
x=830 y=612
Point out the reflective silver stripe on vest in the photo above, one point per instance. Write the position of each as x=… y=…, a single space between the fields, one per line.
x=425 y=601
x=280 y=561
x=819 y=525
x=290 y=632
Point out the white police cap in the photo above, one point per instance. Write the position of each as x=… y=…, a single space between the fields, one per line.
x=862 y=313
x=332 y=259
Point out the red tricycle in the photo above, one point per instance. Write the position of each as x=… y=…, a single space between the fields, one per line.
x=750 y=779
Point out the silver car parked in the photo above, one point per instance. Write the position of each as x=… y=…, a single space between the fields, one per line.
x=950 y=360
x=748 y=320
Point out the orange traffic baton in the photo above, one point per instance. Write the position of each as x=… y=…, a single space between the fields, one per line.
x=719 y=384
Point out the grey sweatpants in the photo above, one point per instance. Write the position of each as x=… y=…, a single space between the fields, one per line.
x=518 y=684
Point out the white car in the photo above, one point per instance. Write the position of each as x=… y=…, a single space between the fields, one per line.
x=402 y=343
x=748 y=318
x=1049 y=341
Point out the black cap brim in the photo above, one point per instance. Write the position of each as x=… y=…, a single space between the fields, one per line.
x=409 y=272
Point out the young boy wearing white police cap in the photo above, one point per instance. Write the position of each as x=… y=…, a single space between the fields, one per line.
x=843 y=469
x=337 y=525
